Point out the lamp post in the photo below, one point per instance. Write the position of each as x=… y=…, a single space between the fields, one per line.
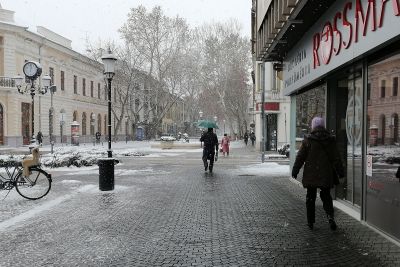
x=106 y=166
x=109 y=61
x=53 y=89
x=224 y=127
x=32 y=71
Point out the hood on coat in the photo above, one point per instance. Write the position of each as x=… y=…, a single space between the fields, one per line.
x=320 y=134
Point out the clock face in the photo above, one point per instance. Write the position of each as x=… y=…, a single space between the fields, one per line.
x=30 y=69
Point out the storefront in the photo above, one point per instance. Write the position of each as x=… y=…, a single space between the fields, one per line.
x=346 y=68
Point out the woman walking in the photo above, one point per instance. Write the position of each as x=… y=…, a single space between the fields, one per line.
x=225 y=145
x=322 y=165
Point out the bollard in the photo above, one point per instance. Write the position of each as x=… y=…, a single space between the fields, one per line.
x=106 y=174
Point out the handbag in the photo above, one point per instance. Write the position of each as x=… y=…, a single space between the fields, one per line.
x=220 y=149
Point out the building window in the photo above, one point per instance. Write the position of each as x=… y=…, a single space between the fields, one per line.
x=91 y=88
x=395 y=85
x=98 y=90
x=83 y=86
x=75 y=84
x=383 y=88
x=51 y=74
x=62 y=80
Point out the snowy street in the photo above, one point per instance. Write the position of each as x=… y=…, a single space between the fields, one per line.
x=165 y=210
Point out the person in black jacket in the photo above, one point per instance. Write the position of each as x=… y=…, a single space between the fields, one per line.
x=210 y=148
x=322 y=166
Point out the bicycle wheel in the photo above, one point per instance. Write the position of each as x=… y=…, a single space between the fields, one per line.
x=36 y=186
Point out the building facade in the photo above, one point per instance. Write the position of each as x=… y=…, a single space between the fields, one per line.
x=271 y=125
x=341 y=61
x=80 y=94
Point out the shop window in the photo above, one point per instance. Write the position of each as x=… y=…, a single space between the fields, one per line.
x=309 y=105
x=383 y=88
x=395 y=86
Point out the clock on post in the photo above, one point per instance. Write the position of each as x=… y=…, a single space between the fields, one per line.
x=32 y=70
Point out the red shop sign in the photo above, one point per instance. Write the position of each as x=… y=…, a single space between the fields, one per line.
x=331 y=40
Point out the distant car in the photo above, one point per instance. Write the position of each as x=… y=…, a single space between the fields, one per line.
x=167 y=138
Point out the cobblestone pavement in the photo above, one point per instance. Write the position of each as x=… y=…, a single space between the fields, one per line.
x=167 y=211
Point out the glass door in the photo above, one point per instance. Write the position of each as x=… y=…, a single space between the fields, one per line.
x=383 y=148
x=347 y=92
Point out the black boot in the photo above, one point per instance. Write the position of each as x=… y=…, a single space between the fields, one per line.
x=205 y=166
x=332 y=223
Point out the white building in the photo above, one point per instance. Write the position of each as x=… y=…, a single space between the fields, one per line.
x=80 y=94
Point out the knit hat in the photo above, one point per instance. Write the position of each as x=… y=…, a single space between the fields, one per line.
x=317 y=122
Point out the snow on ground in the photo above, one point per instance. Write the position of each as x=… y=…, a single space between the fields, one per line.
x=266 y=168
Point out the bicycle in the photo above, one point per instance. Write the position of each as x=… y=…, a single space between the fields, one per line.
x=33 y=187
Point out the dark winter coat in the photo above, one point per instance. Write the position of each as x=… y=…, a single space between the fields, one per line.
x=321 y=159
x=210 y=140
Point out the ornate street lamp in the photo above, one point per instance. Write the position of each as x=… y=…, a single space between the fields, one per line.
x=109 y=61
x=106 y=166
x=32 y=71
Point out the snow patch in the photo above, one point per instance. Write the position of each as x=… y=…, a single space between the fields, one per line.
x=266 y=168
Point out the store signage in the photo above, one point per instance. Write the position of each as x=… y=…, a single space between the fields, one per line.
x=269 y=106
x=348 y=30
x=332 y=39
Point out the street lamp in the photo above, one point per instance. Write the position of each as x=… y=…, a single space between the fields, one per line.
x=224 y=127
x=106 y=166
x=32 y=71
x=53 y=89
x=109 y=61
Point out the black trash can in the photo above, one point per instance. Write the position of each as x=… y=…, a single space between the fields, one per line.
x=106 y=174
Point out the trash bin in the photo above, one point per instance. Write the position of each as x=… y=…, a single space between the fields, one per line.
x=106 y=174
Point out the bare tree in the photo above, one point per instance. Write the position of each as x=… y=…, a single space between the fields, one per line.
x=161 y=41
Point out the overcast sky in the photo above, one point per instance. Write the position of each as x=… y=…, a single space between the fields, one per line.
x=76 y=19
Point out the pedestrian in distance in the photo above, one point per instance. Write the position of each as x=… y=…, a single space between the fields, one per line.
x=225 y=145
x=246 y=138
x=39 y=138
x=322 y=167
x=252 y=138
x=210 y=149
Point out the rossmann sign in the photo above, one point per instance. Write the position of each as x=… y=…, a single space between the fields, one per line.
x=347 y=31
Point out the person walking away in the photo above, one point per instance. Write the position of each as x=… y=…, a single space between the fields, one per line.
x=246 y=138
x=322 y=166
x=39 y=138
x=225 y=145
x=252 y=138
x=210 y=148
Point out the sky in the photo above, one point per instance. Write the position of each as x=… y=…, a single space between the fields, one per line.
x=78 y=20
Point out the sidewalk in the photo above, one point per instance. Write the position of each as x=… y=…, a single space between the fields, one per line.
x=166 y=211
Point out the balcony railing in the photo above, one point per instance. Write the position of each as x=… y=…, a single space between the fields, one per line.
x=6 y=82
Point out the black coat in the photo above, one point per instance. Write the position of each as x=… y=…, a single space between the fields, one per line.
x=320 y=156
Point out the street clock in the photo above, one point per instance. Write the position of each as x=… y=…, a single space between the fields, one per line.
x=32 y=70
